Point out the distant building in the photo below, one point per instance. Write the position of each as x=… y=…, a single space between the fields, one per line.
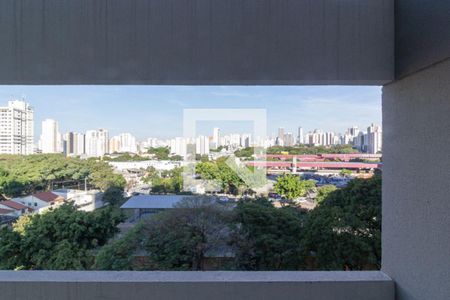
x=178 y=146
x=300 y=137
x=50 y=141
x=96 y=143
x=124 y=142
x=374 y=139
x=216 y=138
x=17 y=128
x=202 y=145
x=73 y=144
x=246 y=140
x=280 y=137
x=289 y=139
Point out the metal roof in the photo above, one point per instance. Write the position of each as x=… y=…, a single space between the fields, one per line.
x=154 y=201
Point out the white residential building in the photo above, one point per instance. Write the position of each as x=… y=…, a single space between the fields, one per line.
x=50 y=141
x=96 y=143
x=216 y=138
x=300 y=137
x=17 y=128
x=73 y=144
x=40 y=200
x=178 y=146
x=202 y=145
x=124 y=142
x=374 y=139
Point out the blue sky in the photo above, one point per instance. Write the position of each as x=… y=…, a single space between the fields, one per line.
x=156 y=111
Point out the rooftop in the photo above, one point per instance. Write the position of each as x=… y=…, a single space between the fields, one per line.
x=47 y=196
x=154 y=201
x=14 y=205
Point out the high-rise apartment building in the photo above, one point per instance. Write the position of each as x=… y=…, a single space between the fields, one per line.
x=124 y=142
x=50 y=141
x=73 y=144
x=374 y=139
x=96 y=142
x=300 y=137
x=178 y=146
x=246 y=140
x=216 y=138
x=280 y=137
x=16 y=128
x=288 y=140
x=202 y=145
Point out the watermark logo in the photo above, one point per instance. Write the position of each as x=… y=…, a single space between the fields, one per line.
x=251 y=172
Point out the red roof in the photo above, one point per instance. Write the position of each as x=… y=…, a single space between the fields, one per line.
x=14 y=205
x=47 y=196
x=5 y=211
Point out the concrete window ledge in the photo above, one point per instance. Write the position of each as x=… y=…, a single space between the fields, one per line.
x=60 y=285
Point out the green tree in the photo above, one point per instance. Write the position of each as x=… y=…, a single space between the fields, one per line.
x=267 y=238
x=291 y=187
x=323 y=192
x=344 y=231
x=220 y=171
x=114 y=196
x=59 y=239
x=23 y=175
x=163 y=153
x=180 y=238
x=170 y=181
x=117 y=255
x=10 y=254
x=345 y=172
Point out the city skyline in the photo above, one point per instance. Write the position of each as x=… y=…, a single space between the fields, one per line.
x=158 y=109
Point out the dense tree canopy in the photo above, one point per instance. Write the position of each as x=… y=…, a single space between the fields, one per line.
x=323 y=192
x=59 y=239
x=125 y=157
x=344 y=231
x=292 y=187
x=163 y=153
x=118 y=253
x=180 y=239
x=229 y=180
x=267 y=238
x=22 y=175
x=167 y=181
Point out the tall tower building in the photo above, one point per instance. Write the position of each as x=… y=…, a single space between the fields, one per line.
x=202 y=145
x=280 y=137
x=374 y=139
x=288 y=139
x=50 y=141
x=17 y=128
x=216 y=138
x=300 y=137
x=73 y=144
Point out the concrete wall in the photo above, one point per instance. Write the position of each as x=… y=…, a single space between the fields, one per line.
x=422 y=34
x=47 y=285
x=416 y=187
x=196 y=41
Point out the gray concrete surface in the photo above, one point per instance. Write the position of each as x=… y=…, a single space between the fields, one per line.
x=422 y=34
x=196 y=42
x=416 y=187
x=48 y=285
